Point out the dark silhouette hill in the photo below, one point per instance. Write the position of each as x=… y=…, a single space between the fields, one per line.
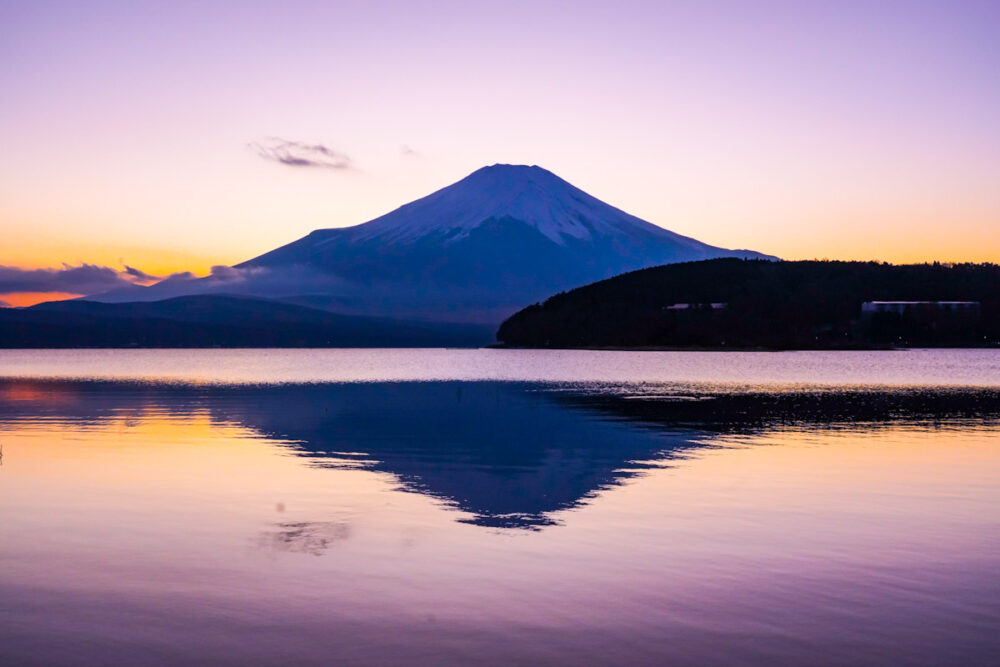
x=734 y=303
x=217 y=321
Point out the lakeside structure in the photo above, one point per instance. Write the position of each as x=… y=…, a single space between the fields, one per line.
x=697 y=306
x=902 y=307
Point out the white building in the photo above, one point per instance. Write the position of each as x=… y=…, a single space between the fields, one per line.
x=900 y=307
x=696 y=306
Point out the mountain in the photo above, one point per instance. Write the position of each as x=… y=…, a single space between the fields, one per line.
x=217 y=321
x=477 y=251
x=732 y=303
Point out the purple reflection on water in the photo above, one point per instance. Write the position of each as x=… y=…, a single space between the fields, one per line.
x=496 y=523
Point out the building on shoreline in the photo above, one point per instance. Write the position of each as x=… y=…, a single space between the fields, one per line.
x=869 y=308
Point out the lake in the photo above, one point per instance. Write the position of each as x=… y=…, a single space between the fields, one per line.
x=496 y=507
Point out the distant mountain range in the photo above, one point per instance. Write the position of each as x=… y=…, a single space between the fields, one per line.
x=476 y=251
x=218 y=321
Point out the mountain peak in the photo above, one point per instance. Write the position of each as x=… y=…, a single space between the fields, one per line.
x=513 y=173
x=504 y=166
x=526 y=193
x=519 y=169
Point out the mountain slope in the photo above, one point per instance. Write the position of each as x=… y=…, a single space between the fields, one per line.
x=527 y=194
x=477 y=250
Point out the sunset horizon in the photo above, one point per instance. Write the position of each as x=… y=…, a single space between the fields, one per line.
x=146 y=273
x=804 y=131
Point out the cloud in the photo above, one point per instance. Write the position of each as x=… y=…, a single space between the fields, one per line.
x=300 y=154
x=409 y=151
x=82 y=279
x=139 y=275
x=4 y=304
x=231 y=274
x=226 y=273
x=180 y=276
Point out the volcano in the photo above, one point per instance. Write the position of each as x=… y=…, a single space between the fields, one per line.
x=476 y=251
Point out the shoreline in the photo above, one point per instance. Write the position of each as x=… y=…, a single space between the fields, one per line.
x=667 y=348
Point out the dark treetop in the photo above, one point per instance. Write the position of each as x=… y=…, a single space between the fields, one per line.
x=734 y=303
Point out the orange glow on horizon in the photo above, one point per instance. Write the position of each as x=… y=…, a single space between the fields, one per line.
x=44 y=252
x=22 y=299
x=797 y=229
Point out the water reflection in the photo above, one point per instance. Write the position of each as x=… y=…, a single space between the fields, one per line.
x=537 y=524
x=506 y=455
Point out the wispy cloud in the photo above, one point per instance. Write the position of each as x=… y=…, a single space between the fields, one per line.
x=180 y=276
x=139 y=275
x=4 y=304
x=82 y=279
x=228 y=274
x=301 y=154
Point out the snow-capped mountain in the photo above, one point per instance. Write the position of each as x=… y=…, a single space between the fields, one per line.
x=547 y=203
x=478 y=250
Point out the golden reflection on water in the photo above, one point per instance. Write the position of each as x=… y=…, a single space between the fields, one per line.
x=155 y=463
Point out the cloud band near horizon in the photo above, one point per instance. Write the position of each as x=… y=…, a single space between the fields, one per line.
x=82 y=279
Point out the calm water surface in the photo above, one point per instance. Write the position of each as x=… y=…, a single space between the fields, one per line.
x=499 y=507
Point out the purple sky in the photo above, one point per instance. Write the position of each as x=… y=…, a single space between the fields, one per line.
x=144 y=132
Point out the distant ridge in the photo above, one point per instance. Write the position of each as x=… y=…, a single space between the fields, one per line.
x=475 y=251
x=217 y=321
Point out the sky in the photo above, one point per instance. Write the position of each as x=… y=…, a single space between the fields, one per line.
x=174 y=136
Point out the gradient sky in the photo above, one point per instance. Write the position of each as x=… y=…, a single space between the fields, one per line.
x=804 y=129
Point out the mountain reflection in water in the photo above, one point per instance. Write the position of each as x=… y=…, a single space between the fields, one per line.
x=487 y=522
x=507 y=455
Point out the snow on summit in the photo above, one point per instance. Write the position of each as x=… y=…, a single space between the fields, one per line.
x=524 y=193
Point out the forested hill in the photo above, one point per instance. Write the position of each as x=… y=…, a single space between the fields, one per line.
x=734 y=303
